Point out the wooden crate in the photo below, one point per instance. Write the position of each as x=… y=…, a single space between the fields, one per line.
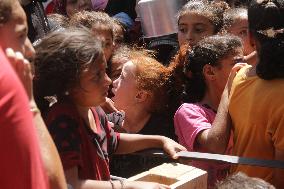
x=177 y=176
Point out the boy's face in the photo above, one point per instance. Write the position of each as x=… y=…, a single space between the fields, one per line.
x=240 y=29
x=14 y=32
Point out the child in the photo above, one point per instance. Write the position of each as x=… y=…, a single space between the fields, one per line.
x=236 y=22
x=198 y=19
x=101 y=25
x=207 y=69
x=70 y=7
x=141 y=92
x=70 y=65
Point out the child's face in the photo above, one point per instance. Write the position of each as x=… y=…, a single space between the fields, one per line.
x=192 y=28
x=125 y=87
x=226 y=64
x=106 y=37
x=17 y=30
x=73 y=6
x=240 y=29
x=118 y=36
x=116 y=68
x=92 y=89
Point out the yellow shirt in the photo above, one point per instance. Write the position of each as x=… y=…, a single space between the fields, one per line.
x=257 y=111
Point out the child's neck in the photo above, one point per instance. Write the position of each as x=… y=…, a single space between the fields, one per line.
x=135 y=120
x=211 y=99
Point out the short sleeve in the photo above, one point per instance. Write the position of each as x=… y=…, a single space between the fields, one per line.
x=189 y=120
x=112 y=136
x=113 y=140
x=65 y=133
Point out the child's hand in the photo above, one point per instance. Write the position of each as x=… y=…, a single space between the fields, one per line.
x=233 y=74
x=171 y=147
x=22 y=68
x=144 y=185
x=108 y=106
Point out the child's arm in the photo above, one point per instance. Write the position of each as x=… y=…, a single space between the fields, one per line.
x=134 y=142
x=72 y=179
x=216 y=139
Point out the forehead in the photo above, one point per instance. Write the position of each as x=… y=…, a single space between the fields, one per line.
x=237 y=52
x=239 y=23
x=129 y=67
x=193 y=18
x=18 y=15
x=104 y=34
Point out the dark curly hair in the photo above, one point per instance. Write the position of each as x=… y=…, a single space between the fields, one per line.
x=60 y=58
x=93 y=20
x=262 y=16
x=210 y=50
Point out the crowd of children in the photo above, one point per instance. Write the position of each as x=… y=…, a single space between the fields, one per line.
x=85 y=95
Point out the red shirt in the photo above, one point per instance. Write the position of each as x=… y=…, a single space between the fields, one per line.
x=78 y=144
x=20 y=161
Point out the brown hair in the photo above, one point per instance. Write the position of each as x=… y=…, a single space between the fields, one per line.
x=59 y=61
x=5 y=10
x=231 y=15
x=93 y=20
x=241 y=180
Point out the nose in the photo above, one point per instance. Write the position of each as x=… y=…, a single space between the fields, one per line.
x=29 y=51
x=189 y=36
x=107 y=80
x=114 y=83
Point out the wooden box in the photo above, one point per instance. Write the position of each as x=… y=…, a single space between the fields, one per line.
x=177 y=176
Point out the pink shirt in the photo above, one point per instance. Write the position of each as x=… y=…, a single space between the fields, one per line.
x=189 y=120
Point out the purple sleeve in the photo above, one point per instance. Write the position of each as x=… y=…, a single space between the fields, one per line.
x=189 y=120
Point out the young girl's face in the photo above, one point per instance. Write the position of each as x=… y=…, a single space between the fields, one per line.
x=92 y=88
x=240 y=29
x=226 y=64
x=125 y=87
x=107 y=40
x=73 y=6
x=193 y=27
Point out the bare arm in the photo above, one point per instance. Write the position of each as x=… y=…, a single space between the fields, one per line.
x=216 y=138
x=49 y=154
x=134 y=142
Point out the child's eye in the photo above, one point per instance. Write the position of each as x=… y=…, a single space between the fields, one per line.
x=199 y=30
x=182 y=29
x=243 y=33
x=238 y=60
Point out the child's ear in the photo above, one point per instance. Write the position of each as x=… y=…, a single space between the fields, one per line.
x=209 y=72
x=141 y=96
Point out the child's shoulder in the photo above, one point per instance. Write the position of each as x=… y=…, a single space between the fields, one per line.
x=60 y=109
